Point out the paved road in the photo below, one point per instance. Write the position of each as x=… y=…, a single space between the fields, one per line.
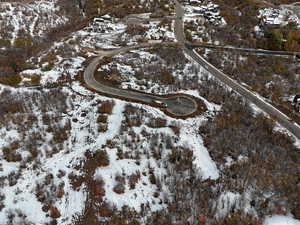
x=138 y=19
x=181 y=105
x=259 y=102
x=250 y=50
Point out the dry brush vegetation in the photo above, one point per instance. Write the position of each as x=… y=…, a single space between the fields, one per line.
x=263 y=161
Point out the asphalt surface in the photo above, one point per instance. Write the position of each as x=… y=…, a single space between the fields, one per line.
x=274 y=113
x=250 y=50
x=182 y=105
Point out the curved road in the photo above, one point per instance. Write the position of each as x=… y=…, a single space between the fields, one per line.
x=180 y=105
x=259 y=102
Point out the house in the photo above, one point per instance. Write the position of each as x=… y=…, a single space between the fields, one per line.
x=296 y=102
x=103 y=19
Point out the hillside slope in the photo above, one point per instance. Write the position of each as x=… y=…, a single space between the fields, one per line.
x=71 y=156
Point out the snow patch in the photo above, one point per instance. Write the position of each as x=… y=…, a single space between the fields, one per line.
x=281 y=220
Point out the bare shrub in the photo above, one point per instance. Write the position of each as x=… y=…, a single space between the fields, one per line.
x=181 y=158
x=99 y=188
x=172 y=56
x=133 y=29
x=76 y=181
x=133 y=179
x=106 y=107
x=10 y=155
x=157 y=123
x=12 y=80
x=119 y=187
x=101 y=158
x=95 y=159
x=133 y=117
x=106 y=210
x=2 y=198
x=265 y=151
x=238 y=218
x=102 y=119
x=102 y=127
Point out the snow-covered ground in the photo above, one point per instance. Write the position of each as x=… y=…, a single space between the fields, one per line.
x=278 y=17
x=207 y=11
x=25 y=195
x=63 y=133
x=281 y=220
x=23 y=20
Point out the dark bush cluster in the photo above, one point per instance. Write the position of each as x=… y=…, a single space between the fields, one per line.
x=270 y=158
